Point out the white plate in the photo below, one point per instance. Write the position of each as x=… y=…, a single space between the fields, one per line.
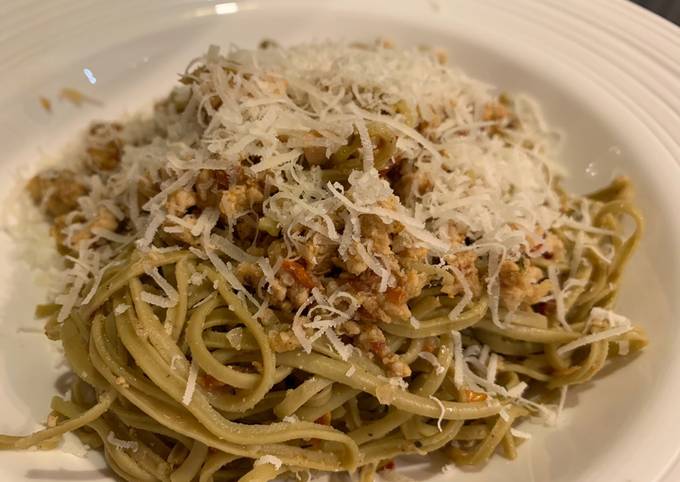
x=606 y=72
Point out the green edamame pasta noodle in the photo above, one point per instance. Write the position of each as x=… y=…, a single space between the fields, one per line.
x=319 y=259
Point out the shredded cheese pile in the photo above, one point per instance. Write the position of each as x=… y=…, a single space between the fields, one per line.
x=274 y=105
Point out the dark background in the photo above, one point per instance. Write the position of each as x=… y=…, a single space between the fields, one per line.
x=669 y=9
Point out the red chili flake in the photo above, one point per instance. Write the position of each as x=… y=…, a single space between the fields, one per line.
x=429 y=346
x=389 y=465
x=209 y=382
x=395 y=295
x=392 y=170
x=472 y=396
x=221 y=177
x=324 y=419
x=378 y=347
x=300 y=274
x=544 y=308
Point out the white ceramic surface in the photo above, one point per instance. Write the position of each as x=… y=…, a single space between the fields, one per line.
x=606 y=72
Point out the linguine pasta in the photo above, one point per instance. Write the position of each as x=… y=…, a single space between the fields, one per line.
x=322 y=258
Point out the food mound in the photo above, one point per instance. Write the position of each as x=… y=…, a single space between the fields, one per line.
x=321 y=258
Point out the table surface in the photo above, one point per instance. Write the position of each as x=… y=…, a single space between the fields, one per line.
x=669 y=9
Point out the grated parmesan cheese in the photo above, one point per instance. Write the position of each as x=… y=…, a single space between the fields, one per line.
x=467 y=293
x=197 y=278
x=154 y=223
x=559 y=297
x=430 y=358
x=168 y=289
x=619 y=325
x=276 y=160
x=366 y=144
x=122 y=444
x=342 y=349
x=95 y=285
x=231 y=250
x=520 y=434
x=560 y=405
x=492 y=367
x=191 y=383
x=157 y=300
x=198 y=253
x=68 y=300
x=173 y=362
x=110 y=235
x=443 y=411
x=71 y=444
x=505 y=416
x=517 y=390
x=269 y=459
x=493 y=287
x=484 y=354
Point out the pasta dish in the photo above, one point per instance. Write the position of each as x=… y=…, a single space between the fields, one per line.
x=320 y=258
